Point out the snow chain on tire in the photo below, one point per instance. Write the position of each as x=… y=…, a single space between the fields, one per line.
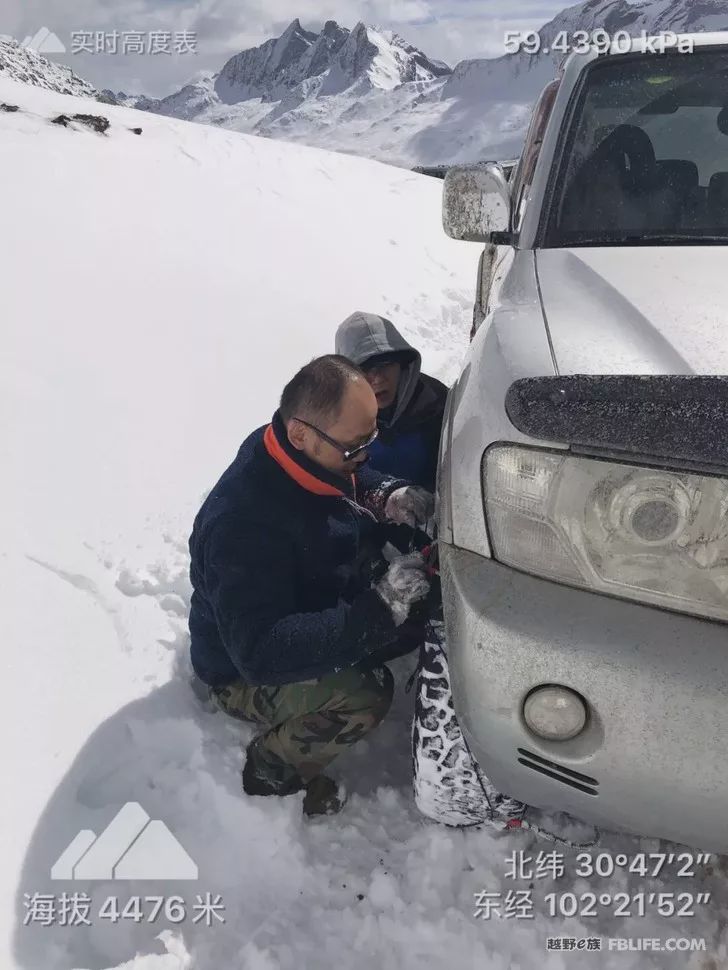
x=447 y=783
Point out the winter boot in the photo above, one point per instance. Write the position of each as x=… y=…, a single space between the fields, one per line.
x=257 y=782
x=323 y=796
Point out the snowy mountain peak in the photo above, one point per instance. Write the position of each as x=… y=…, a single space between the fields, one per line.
x=27 y=65
x=368 y=91
x=303 y=63
x=258 y=71
x=293 y=39
x=634 y=16
x=354 y=59
x=358 y=35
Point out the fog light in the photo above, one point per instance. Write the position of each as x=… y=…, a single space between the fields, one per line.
x=555 y=713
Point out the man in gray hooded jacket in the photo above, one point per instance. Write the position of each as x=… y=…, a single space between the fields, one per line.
x=411 y=404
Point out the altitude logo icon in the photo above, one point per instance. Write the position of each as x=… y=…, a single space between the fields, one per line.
x=132 y=846
x=45 y=42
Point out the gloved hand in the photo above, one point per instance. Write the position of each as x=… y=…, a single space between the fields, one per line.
x=410 y=505
x=403 y=584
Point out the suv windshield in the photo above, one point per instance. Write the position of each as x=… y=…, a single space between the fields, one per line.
x=645 y=159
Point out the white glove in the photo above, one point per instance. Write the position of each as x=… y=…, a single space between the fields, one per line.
x=410 y=505
x=403 y=584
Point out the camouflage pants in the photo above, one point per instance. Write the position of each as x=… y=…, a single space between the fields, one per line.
x=307 y=723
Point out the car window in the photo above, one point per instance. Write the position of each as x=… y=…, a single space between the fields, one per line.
x=523 y=176
x=646 y=154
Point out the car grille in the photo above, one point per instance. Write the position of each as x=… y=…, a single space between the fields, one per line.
x=567 y=776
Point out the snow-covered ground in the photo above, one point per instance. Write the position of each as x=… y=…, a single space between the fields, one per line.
x=156 y=291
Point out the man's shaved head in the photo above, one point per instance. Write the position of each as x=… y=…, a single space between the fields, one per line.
x=330 y=396
x=316 y=393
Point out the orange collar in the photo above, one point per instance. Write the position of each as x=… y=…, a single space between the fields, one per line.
x=294 y=470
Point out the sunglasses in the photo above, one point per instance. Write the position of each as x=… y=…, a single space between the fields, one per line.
x=346 y=453
x=378 y=366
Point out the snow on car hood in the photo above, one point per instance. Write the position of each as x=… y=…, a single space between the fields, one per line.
x=636 y=310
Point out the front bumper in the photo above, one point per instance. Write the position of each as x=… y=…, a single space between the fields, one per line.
x=653 y=758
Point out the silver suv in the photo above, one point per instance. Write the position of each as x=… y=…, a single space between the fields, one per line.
x=583 y=484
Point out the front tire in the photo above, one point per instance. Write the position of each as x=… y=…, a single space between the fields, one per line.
x=447 y=787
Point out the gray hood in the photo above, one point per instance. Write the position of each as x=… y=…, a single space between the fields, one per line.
x=365 y=335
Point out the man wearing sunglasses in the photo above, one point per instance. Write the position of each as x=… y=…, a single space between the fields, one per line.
x=302 y=579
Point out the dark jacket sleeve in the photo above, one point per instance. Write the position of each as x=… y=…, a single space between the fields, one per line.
x=373 y=489
x=251 y=585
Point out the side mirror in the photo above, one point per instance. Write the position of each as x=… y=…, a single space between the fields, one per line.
x=476 y=201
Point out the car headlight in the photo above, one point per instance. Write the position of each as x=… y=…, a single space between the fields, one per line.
x=647 y=534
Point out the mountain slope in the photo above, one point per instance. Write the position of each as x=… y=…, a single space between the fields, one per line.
x=512 y=83
x=26 y=65
x=369 y=93
x=366 y=91
x=523 y=74
x=331 y=89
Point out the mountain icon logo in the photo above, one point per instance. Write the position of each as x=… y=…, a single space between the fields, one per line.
x=45 y=42
x=132 y=846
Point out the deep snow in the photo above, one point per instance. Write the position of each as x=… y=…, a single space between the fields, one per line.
x=157 y=290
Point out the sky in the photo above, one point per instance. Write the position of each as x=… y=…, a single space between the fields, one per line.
x=449 y=30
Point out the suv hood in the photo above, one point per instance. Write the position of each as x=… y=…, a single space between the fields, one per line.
x=636 y=309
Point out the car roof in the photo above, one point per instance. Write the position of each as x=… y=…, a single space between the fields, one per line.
x=644 y=44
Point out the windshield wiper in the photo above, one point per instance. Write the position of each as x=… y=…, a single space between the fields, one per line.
x=675 y=238
x=649 y=239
